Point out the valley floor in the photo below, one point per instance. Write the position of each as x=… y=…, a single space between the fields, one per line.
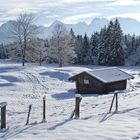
x=20 y=87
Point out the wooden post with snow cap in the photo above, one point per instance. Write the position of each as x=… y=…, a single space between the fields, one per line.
x=78 y=99
x=3 y=114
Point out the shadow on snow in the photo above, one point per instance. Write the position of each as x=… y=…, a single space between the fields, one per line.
x=57 y=75
x=64 y=95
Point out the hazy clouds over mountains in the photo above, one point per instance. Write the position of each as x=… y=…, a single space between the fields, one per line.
x=128 y=25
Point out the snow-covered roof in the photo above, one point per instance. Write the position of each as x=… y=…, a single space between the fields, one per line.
x=108 y=75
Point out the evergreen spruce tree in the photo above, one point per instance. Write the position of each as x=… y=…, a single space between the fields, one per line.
x=111 y=52
x=47 y=46
x=93 y=51
x=117 y=52
x=78 y=49
x=72 y=33
x=85 y=50
x=72 y=45
x=102 y=46
x=3 y=52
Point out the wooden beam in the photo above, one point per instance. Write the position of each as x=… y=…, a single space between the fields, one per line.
x=3 y=114
x=44 y=109
x=3 y=117
x=116 y=102
x=112 y=103
x=29 y=112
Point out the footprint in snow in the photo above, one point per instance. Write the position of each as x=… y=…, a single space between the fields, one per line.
x=136 y=138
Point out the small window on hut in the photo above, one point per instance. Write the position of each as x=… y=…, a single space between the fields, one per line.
x=86 y=81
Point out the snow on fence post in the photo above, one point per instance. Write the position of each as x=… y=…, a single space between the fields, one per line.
x=3 y=114
x=44 y=109
x=29 y=112
x=78 y=99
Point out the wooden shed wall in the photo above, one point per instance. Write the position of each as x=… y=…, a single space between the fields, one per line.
x=115 y=86
x=94 y=86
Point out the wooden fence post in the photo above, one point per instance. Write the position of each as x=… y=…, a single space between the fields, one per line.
x=116 y=106
x=116 y=102
x=78 y=99
x=29 y=112
x=44 y=109
x=112 y=104
x=3 y=114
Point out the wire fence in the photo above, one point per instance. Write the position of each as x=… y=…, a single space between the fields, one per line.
x=56 y=110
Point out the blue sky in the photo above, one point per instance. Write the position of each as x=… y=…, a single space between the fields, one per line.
x=69 y=11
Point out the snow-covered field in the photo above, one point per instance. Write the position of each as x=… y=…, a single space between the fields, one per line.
x=20 y=87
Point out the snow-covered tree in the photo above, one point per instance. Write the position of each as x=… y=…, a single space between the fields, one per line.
x=72 y=43
x=111 y=51
x=14 y=51
x=60 y=50
x=78 y=48
x=3 y=52
x=85 y=50
x=94 y=48
x=133 y=49
x=134 y=58
x=37 y=52
x=102 y=47
x=117 y=52
x=47 y=51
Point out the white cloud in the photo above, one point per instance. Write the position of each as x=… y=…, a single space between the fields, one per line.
x=126 y=15
x=79 y=1
x=124 y=3
x=69 y=11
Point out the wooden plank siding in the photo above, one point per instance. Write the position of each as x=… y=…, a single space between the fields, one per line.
x=95 y=85
x=115 y=86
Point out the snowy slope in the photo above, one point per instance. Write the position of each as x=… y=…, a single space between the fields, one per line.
x=20 y=87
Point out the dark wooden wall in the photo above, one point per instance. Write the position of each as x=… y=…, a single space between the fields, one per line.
x=115 y=86
x=96 y=86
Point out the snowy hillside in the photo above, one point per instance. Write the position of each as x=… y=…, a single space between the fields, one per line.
x=20 y=87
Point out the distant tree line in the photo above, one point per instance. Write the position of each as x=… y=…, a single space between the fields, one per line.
x=108 y=47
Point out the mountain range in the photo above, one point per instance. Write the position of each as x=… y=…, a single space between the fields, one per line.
x=128 y=25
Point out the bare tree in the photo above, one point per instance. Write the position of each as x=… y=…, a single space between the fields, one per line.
x=60 y=49
x=22 y=31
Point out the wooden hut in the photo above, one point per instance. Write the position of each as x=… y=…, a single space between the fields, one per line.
x=101 y=80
